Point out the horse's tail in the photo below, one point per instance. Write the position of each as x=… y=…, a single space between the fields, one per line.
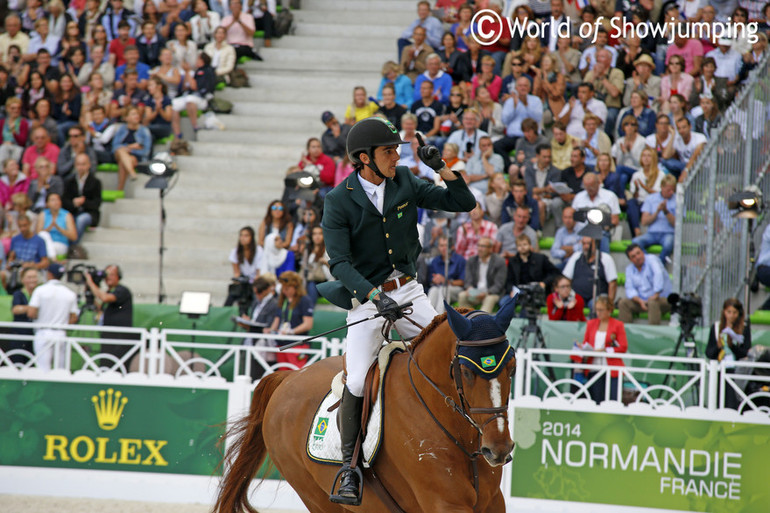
x=247 y=450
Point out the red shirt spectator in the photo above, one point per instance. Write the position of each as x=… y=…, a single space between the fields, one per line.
x=324 y=163
x=41 y=147
x=469 y=233
x=564 y=304
x=117 y=47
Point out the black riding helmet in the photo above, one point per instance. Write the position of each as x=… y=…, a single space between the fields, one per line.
x=366 y=135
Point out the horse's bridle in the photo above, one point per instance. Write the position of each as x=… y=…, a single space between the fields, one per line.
x=464 y=408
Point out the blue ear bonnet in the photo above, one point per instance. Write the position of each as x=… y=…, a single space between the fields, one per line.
x=486 y=360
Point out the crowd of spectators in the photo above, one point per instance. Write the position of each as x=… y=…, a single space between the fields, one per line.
x=86 y=83
x=542 y=128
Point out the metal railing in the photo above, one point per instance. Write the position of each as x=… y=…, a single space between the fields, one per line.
x=710 y=245
x=227 y=358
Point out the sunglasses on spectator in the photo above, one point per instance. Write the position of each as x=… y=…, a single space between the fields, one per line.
x=276 y=207
x=75 y=134
x=455 y=94
x=630 y=124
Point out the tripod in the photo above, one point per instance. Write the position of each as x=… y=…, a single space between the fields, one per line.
x=532 y=331
x=687 y=340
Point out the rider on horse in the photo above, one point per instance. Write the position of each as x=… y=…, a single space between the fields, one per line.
x=370 y=230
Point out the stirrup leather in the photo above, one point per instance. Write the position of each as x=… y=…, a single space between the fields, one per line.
x=345 y=499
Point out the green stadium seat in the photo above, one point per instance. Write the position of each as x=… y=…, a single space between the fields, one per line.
x=184 y=113
x=621 y=279
x=259 y=34
x=623 y=216
x=110 y=196
x=546 y=243
x=220 y=86
x=761 y=317
x=619 y=246
x=107 y=168
x=165 y=140
x=244 y=59
x=655 y=249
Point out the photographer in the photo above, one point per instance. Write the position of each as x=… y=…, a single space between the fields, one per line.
x=262 y=312
x=117 y=308
x=564 y=304
x=730 y=341
x=527 y=267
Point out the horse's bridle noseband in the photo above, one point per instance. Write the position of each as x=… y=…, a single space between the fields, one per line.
x=464 y=408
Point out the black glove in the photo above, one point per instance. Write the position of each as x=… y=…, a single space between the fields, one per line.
x=388 y=308
x=429 y=155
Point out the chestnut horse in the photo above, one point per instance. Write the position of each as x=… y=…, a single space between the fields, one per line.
x=423 y=467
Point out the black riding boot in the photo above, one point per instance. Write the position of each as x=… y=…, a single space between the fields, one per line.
x=350 y=425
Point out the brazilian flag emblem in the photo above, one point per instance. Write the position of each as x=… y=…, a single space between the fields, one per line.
x=488 y=361
x=321 y=426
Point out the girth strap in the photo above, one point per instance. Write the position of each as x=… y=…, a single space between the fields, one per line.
x=382 y=493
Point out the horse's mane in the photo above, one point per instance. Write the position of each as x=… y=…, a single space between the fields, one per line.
x=430 y=328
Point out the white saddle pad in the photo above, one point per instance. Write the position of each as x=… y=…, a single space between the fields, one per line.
x=323 y=441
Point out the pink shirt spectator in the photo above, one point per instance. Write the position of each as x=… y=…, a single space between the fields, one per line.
x=693 y=48
x=7 y=190
x=326 y=168
x=684 y=87
x=468 y=239
x=493 y=88
x=31 y=154
x=235 y=33
x=344 y=169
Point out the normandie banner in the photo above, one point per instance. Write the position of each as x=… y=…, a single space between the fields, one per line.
x=110 y=427
x=655 y=462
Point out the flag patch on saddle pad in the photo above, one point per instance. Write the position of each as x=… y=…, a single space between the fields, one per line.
x=488 y=361
x=321 y=426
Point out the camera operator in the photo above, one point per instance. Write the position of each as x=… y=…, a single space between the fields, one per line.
x=730 y=341
x=564 y=304
x=26 y=249
x=19 y=309
x=527 y=267
x=262 y=311
x=117 y=309
x=52 y=303
x=580 y=269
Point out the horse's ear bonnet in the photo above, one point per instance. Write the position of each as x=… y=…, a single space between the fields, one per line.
x=486 y=360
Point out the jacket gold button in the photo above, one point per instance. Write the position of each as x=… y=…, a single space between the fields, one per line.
x=390 y=252
x=394 y=266
x=383 y=219
x=387 y=235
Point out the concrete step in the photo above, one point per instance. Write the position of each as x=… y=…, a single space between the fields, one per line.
x=301 y=110
x=240 y=151
x=384 y=17
x=187 y=207
x=309 y=124
x=353 y=31
x=294 y=139
x=240 y=168
x=319 y=97
x=151 y=237
x=319 y=80
x=195 y=190
x=372 y=44
x=181 y=224
x=174 y=256
x=403 y=6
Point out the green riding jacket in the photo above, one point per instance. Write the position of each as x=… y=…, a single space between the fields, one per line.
x=365 y=246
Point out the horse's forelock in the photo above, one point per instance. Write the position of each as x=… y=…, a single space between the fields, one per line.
x=435 y=323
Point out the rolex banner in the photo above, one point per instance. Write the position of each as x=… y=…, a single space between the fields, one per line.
x=657 y=462
x=110 y=427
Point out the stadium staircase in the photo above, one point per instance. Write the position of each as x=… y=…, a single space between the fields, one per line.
x=233 y=174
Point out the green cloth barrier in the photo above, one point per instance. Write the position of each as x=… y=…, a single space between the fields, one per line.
x=546 y=243
x=107 y=168
x=110 y=196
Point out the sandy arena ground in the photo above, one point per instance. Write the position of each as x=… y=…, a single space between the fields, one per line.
x=31 y=504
